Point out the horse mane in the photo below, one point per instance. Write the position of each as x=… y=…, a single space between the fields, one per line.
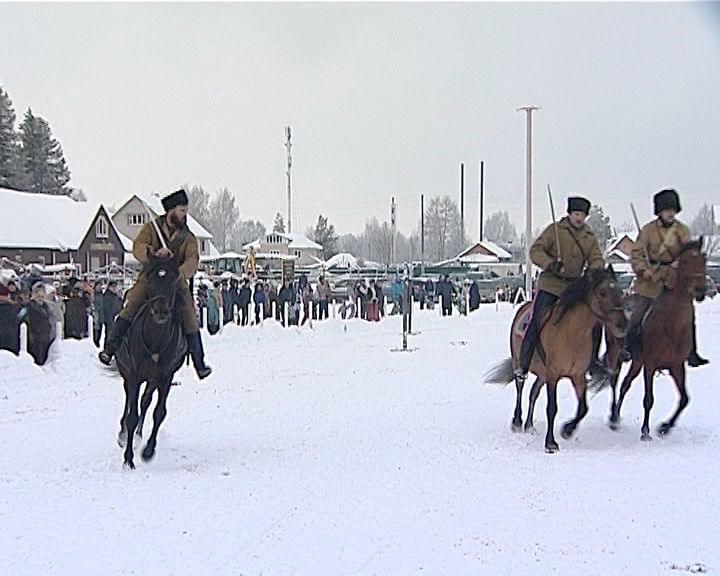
x=692 y=244
x=579 y=289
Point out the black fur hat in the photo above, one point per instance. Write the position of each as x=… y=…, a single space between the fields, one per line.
x=665 y=199
x=177 y=198
x=578 y=204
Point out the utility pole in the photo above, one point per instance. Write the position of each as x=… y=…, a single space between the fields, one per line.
x=462 y=206
x=528 y=199
x=392 y=230
x=482 y=191
x=422 y=234
x=288 y=145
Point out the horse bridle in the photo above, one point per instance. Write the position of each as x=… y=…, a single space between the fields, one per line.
x=156 y=355
x=605 y=317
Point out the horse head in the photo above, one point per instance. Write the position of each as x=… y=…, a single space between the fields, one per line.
x=162 y=276
x=691 y=268
x=606 y=300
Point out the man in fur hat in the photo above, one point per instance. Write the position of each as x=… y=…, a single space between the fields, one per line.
x=182 y=246
x=656 y=249
x=561 y=265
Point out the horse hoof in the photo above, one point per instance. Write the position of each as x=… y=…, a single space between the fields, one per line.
x=147 y=454
x=516 y=426
x=122 y=440
x=551 y=448
x=614 y=425
x=529 y=429
x=128 y=465
x=567 y=431
x=645 y=437
x=664 y=429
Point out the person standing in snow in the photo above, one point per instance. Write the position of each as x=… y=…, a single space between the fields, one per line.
x=38 y=321
x=11 y=316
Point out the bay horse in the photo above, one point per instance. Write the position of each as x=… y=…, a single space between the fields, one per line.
x=152 y=351
x=666 y=336
x=566 y=338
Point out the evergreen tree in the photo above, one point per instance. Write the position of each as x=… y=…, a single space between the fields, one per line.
x=11 y=173
x=325 y=235
x=43 y=160
x=279 y=224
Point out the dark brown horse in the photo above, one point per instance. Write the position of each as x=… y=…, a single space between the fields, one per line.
x=666 y=336
x=566 y=338
x=152 y=351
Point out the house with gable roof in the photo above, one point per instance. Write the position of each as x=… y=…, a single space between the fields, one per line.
x=49 y=230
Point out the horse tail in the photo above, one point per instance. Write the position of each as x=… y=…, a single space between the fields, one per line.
x=501 y=373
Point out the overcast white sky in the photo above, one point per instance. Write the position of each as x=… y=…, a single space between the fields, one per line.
x=383 y=100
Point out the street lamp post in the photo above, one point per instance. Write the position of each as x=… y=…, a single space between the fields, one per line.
x=528 y=199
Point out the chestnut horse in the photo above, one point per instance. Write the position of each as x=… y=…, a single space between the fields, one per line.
x=566 y=337
x=666 y=336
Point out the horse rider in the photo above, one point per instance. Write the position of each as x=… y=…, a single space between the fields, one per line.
x=653 y=259
x=182 y=246
x=561 y=265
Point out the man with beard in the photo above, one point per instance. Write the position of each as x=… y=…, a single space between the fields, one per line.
x=654 y=261
x=183 y=248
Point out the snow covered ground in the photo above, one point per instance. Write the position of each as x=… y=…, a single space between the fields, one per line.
x=323 y=452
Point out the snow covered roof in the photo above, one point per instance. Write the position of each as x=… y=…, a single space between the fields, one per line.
x=619 y=254
x=479 y=259
x=254 y=244
x=491 y=247
x=301 y=242
x=29 y=220
x=344 y=261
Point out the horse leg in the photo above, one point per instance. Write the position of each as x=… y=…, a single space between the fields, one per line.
x=550 y=444
x=678 y=374
x=582 y=409
x=144 y=405
x=648 y=402
x=635 y=368
x=122 y=435
x=517 y=416
x=132 y=390
x=158 y=417
x=534 y=393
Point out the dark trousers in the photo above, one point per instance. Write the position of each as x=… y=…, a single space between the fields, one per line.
x=259 y=309
x=527 y=349
x=324 y=309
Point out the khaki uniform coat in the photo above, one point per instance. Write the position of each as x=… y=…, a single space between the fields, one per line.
x=184 y=246
x=578 y=249
x=662 y=245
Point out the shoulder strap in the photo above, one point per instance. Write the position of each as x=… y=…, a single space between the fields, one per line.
x=585 y=258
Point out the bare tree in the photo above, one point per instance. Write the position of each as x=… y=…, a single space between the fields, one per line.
x=443 y=237
x=498 y=228
x=199 y=204
x=224 y=216
x=704 y=224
